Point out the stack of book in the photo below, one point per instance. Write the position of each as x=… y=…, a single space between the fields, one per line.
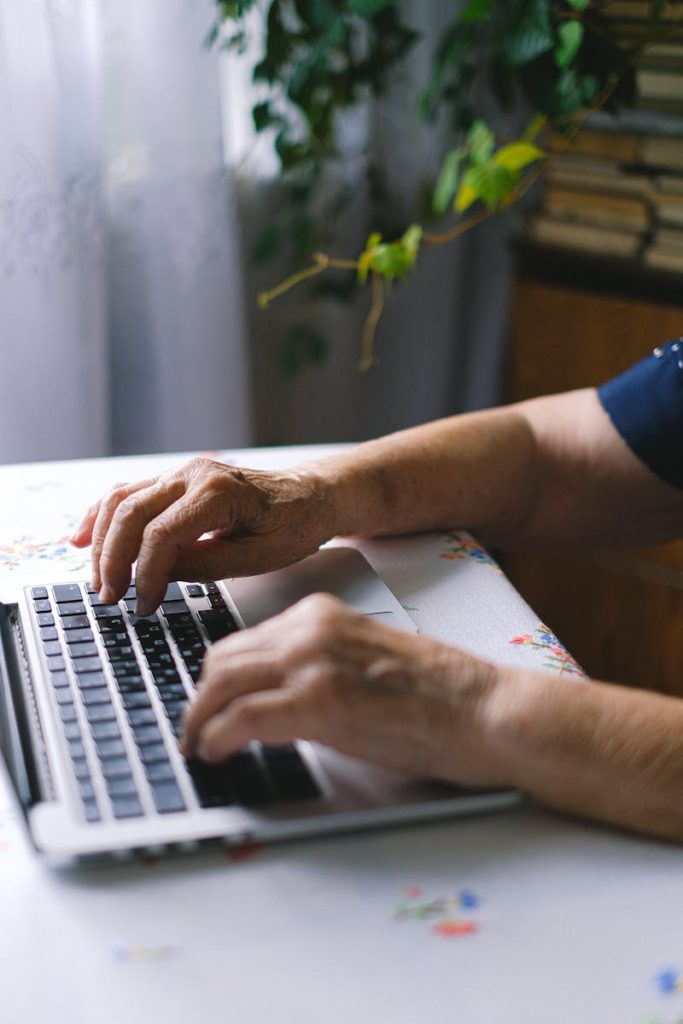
x=618 y=188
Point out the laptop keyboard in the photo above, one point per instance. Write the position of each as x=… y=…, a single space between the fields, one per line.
x=121 y=682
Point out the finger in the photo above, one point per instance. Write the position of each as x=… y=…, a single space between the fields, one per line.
x=82 y=535
x=106 y=508
x=126 y=527
x=234 y=677
x=276 y=716
x=179 y=526
x=220 y=557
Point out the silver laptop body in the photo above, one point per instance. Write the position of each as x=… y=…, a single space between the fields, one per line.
x=62 y=742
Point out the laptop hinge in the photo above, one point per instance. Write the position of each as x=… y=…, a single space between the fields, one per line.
x=17 y=712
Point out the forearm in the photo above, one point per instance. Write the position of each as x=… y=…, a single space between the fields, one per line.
x=548 y=472
x=598 y=750
x=475 y=471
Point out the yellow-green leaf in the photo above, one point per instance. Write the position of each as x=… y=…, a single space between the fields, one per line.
x=518 y=155
x=465 y=197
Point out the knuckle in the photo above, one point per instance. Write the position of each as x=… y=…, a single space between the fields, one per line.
x=322 y=613
x=157 y=533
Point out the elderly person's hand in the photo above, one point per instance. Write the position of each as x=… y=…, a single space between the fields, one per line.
x=324 y=672
x=204 y=521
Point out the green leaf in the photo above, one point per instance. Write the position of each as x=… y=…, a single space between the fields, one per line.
x=518 y=155
x=570 y=34
x=531 y=36
x=447 y=181
x=390 y=259
x=491 y=183
x=368 y=8
x=476 y=10
x=480 y=142
x=578 y=5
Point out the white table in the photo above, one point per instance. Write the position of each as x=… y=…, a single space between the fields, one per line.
x=571 y=923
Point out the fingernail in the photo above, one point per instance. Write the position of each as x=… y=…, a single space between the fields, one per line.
x=143 y=608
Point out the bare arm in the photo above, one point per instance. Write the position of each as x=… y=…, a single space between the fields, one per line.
x=551 y=471
x=323 y=672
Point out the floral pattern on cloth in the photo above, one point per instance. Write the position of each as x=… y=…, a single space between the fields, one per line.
x=27 y=551
x=462 y=546
x=556 y=657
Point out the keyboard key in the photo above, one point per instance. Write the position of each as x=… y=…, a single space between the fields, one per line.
x=115 y=768
x=45 y=619
x=91 y=810
x=131 y=684
x=60 y=680
x=142 y=716
x=114 y=639
x=106 y=611
x=81 y=769
x=147 y=735
x=195 y=590
x=124 y=668
x=105 y=730
x=173 y=592
x=72 y=608
x=175 y=619
x=39 y=593
x=56 y=664
x=67 y=592
x=42 y=606
x=212 y=588
x=111 y=624
x=100 y=713
x=167 y=797
x=120 y=652
x=86 y=789
x=47 y=634
x=84 y=651
x=80 y=635
x=96 y=695
x=161 y=771
x=135 y=700
x=76 y=750
x=63 y=696
x=110 y=748
x=72 y=731
x=67 y=713
x=155 y=752
x=122 y=786
x=217 y=623
x=174 y=607
x=126 y=807
x=85 y=665
x=75 y=622
x=91 y=680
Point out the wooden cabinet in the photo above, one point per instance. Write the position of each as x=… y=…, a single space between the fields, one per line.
x=620 y=613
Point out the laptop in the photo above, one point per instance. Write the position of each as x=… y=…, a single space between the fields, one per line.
x=91 y=702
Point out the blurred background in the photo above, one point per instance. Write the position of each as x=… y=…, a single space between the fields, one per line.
x=132 y=198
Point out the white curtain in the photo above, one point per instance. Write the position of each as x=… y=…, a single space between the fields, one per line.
x=121 y=312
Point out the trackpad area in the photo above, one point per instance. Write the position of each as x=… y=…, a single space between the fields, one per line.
x=341 y=571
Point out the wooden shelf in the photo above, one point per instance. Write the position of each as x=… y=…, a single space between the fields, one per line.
x=620 y=613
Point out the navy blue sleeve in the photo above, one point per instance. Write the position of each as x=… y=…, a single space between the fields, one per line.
x=645 y=405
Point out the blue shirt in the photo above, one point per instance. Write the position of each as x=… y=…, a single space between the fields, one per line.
x=645 y=404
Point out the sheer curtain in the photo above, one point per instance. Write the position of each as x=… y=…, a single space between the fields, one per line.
x=121 y=313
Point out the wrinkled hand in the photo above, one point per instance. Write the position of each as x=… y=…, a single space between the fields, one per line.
x=324 y=672
x=204 y=521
